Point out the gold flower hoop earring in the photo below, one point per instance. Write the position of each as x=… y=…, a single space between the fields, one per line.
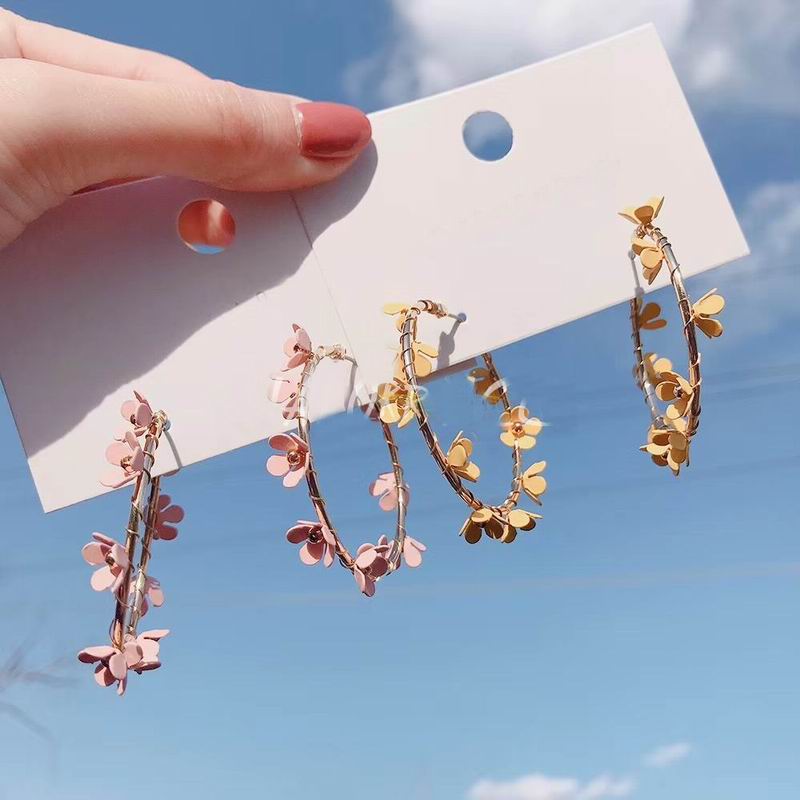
x=294 y=460
x=672 y=429
x=400 y=402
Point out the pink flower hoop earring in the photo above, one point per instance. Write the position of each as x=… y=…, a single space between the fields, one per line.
x=294 y=460
x=152 y=516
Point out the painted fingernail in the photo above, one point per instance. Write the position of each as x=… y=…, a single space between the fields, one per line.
x=331 y=130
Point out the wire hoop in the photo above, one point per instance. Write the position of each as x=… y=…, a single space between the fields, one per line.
x=672 y=400
x=144 y=505
x=319 y=539
x=347 y=560
x=123 y=568
x=499 y=521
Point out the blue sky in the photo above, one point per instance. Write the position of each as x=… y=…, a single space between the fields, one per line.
x=644 y=613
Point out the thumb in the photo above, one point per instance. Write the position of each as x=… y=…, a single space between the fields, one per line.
x=94 y=128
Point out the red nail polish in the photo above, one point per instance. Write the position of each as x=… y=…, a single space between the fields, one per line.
x=331 y=130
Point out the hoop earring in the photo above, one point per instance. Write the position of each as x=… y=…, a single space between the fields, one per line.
x=152 y=516
x=401 y=402
x=295 y=460
x=672 y=429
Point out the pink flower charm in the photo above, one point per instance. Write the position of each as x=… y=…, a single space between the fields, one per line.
x=412 y=551
x=291 y=465
x=319 y=542
x=371 y=564
x=297 y=348
x=138 y=412
x=167 y=516
x=148 y=642
x=385 y=488
x=127 y=457
x=113 y=664
x=286 y=389
x=152 y=593
x=139 y=654
x=292 y=407
x=114 y=558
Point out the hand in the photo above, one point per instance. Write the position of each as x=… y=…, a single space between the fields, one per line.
x=79 y=111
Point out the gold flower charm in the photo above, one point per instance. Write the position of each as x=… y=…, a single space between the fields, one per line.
x=458 y=457
x=649 y=254
x=676 y=390
x=704 y=309
x=504 y=529
x=398 y=403
x=533 y=482
x=651 y=257
x=423 y=353
x=648 y=318
x=398 y=310
x=655 y=367
x=480 y=522
x=485 y=385
x=643 y=215
x=519 y=429
x=667 y=448
x=522 y=520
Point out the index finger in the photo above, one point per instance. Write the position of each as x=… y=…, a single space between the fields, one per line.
x=38 y=41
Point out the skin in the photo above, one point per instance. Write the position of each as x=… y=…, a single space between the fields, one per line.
x=80 y=112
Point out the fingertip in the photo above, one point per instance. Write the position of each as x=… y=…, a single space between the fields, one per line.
x=331 y=130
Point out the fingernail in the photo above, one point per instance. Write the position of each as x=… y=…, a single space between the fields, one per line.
x=331 y=130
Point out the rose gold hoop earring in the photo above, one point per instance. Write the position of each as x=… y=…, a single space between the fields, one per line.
x=401 y=402
x=295 y=460
x=152 y=516
x=673 y=427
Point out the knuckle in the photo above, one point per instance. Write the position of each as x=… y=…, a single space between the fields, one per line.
x=9 y=46
x=30 y=160
x=248 y=130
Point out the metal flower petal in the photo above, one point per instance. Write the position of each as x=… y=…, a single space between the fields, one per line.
x=412 y=551
x=650 y=256
x=422 y=355
x=167 y=517
x=138 y=412
x=704 y=310
x=291 y=461
x=127 y=459
x=673 y=387
x=667 y=447
x=317 y=540
x=519 y=430
x=396 y=309
x=655 y=367
x=384 y=487
x=648 y=316
x=480 y=521
x=485 y=385
x=644 y=214
x=398 y=403
x=533 y=482
x=458 y=458
x=297 y=348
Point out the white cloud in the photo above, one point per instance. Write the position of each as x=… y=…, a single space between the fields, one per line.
x=765 y=283
x=668 y=754
x=729 y=52
x=771 y=221
x=544 y=787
